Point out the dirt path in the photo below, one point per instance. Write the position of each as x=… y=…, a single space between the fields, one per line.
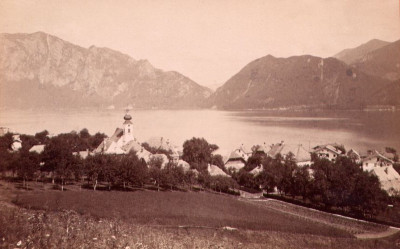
x=359 y=228
x=390 y=231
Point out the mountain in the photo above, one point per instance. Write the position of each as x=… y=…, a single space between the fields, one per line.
x=383 y=62
x=351 y=55
x=299 y=81
x=40 y=71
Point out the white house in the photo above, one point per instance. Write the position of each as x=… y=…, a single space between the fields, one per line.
x=375 y=159
x=237 y=159
x=382 y=167
x=328 y=151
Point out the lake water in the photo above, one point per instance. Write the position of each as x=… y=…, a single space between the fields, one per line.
x=354 y=129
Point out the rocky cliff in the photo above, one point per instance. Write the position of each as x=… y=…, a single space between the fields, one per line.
x=41 y=70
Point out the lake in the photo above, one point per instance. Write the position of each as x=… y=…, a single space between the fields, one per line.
x=228 y=129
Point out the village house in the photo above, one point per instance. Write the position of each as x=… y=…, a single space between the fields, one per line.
x=275 y=149
x=327 y=151
x=160 y=143
x=354 y=155
x=237 y=159
x=382 y=167
x=375 y=159
x=301 y=155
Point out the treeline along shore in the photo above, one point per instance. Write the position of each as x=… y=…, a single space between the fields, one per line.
x=335 y=185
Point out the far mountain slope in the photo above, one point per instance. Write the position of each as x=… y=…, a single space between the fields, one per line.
x=383 y=62
x=297 y=81
x=351 y=55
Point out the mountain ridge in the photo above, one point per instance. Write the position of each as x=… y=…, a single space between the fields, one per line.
x=97 y=74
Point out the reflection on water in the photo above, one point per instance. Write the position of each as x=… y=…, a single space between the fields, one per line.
x=359 y=130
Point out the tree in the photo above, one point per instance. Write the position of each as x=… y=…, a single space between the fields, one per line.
x=27 y=164
x=155 y=164
x=58 y=158
x=367 y=198
x=42 y=137
x=198 y=151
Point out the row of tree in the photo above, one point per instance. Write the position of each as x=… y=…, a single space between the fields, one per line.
x=340 y=185
x=58 y=163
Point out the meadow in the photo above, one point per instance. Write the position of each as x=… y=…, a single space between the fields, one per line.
x=46 y=218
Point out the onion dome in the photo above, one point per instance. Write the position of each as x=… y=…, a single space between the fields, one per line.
x=127 y=117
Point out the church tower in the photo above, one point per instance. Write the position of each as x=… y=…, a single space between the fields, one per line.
x=127 y=126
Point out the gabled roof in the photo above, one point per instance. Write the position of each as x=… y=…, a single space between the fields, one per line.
x=39 y=148
x=243 y=148
x=213 y=170
x=275 y=149
x=132 y=145
x=236 y=155
x=375 y=154
x=160 y=143
x=329 y=147
x=352 y=152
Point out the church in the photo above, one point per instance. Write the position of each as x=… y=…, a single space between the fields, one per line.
x=123 y=141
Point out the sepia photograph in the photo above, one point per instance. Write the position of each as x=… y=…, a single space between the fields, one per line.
x=141 y=124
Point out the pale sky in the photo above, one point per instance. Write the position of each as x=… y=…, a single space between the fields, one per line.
x=207 y=40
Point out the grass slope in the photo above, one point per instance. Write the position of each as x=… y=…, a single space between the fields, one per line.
x=174 y=209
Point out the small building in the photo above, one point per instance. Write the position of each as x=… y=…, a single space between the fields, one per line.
x=276 y=149
x=375 y=159
x=17 y=143
x=236 y=160
x=301 y=155
x=354 y=155
x=327 y=151
x=382 y=167
x=160 y=143
x=39 y=148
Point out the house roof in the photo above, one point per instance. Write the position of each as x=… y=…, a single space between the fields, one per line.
x=243 y=148
x=213 y=170
x=275 y=149
x=329 y=147
x=354 y=153
x=388 y=177
x=376 y=154
x=39 y=148
x=132 y=145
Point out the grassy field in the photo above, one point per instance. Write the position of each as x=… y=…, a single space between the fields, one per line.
x=45 y=218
